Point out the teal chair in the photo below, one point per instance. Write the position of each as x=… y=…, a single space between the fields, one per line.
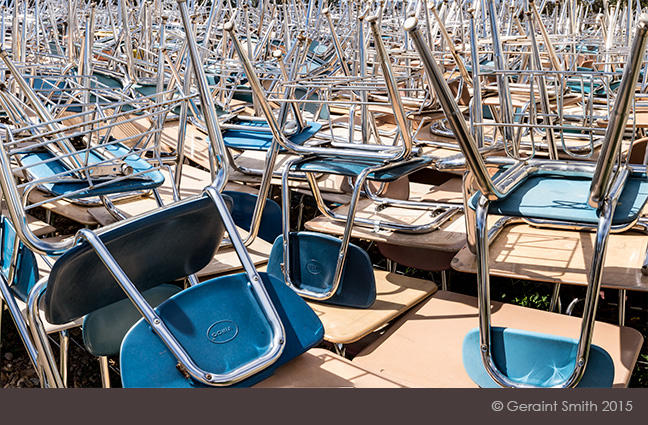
x=597 y=196
x=320 y=267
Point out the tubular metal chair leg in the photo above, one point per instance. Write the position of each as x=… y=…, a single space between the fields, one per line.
x=105 y=377
x=622 y=307
x=445 y=280
x=554 y=305
x=64 y=344
x=340 y=349
x=391 y=265
x=591 y=298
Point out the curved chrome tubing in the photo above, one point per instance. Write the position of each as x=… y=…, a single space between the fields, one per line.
x=606 y=189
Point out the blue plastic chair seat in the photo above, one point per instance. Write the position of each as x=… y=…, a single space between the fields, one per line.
x=261 y=140
x=108 y=80
x=221 y=326
x=561 y=198
x=151 y=89
x=43 y=170
x=243 y=91
x=534 y=359
x=352 y=168
x=599 y=89
x=49 y=87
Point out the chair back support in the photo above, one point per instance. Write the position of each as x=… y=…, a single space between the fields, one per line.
x=166 y=245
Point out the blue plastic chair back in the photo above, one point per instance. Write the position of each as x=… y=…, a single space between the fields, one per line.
x=26 y=273
x=313 y=262
x=167 y=245
x=243 y=209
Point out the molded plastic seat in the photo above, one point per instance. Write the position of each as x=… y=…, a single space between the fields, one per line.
x=565 y=198
x=219 y=322
x=261 y=140
x=41 y=168
x=537 y=359
x=313 y=266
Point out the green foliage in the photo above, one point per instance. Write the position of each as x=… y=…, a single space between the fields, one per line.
x=524 y=293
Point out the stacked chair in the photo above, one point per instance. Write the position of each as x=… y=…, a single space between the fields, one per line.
x=511 y=357
x=419 y=131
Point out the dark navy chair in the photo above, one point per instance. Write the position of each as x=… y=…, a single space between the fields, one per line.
x=231 y=330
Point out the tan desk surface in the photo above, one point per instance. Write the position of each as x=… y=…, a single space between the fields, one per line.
x=192 y=183
x=521 y=100
x=319 y=368
x=255 y=160
x=74 y=212
x=548 y=255
x=425 y=345
x=226 y=261
x=395 y=294
x=38 y=227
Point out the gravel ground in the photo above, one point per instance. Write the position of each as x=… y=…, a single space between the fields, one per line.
x=17 y=370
